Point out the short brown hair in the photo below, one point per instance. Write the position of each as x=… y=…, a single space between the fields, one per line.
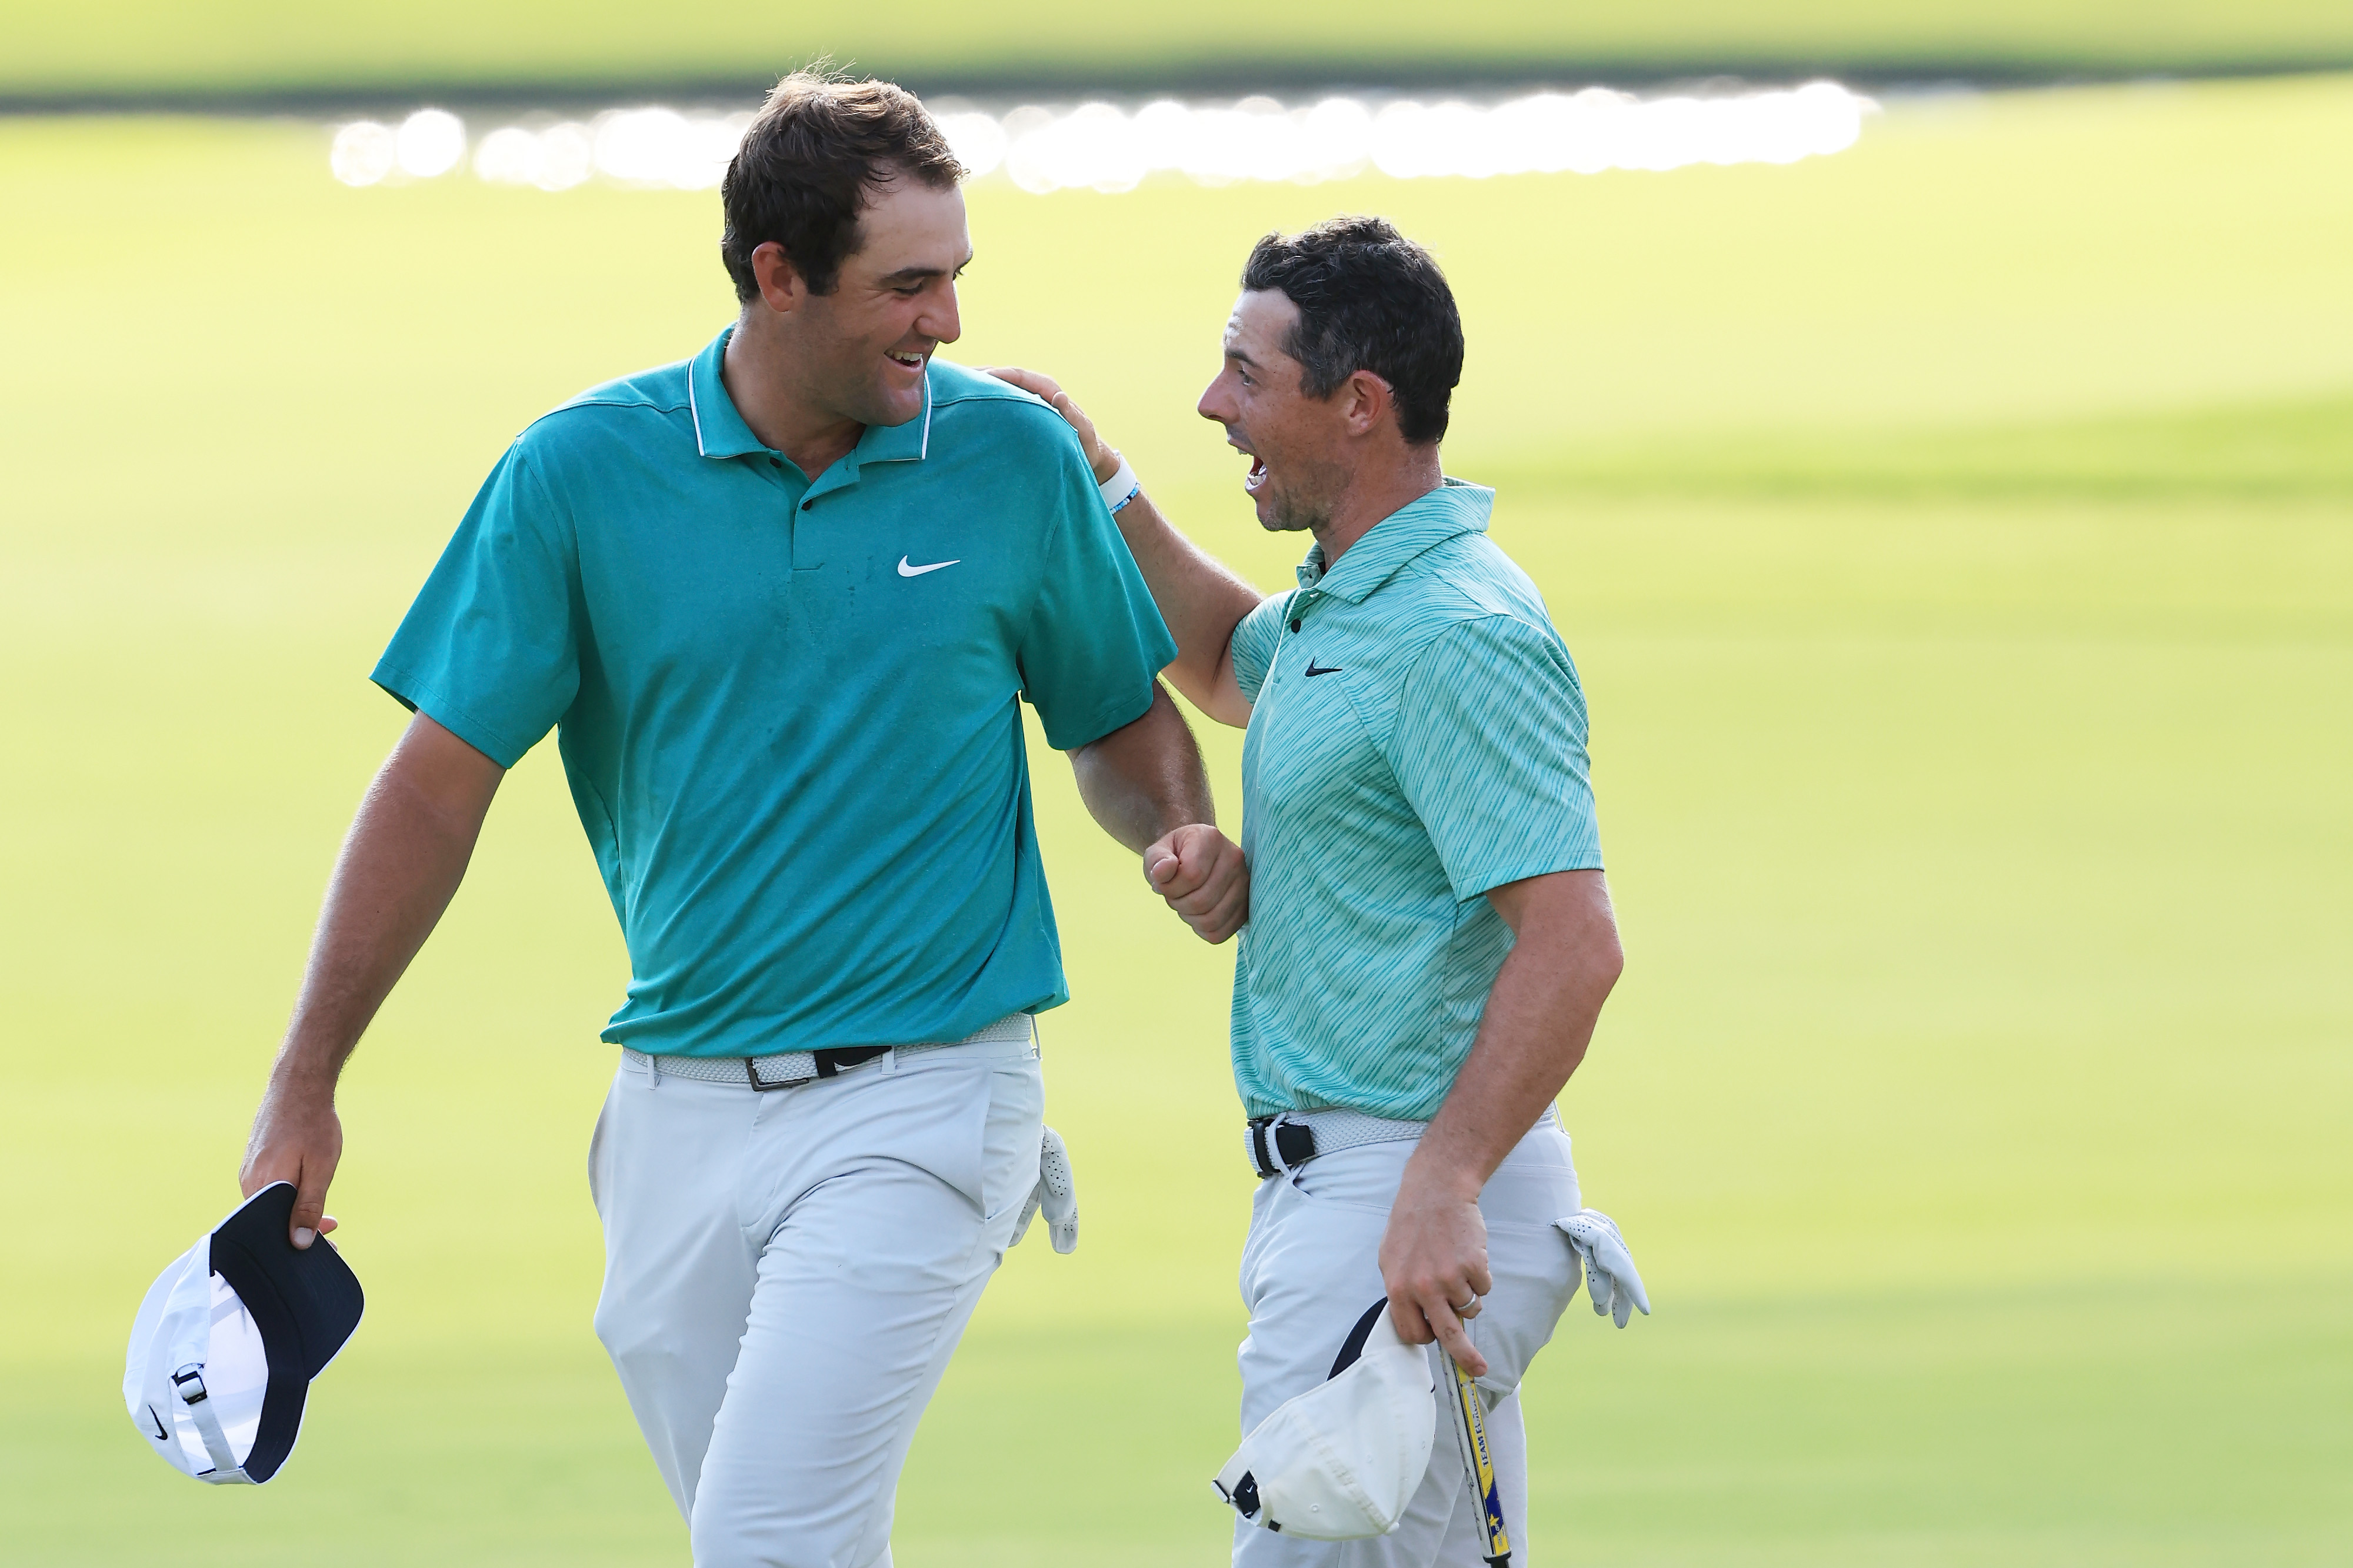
x=807 y=165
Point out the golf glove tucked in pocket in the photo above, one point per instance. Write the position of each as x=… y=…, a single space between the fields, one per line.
x=1610 y=1279
x=1057 y=1196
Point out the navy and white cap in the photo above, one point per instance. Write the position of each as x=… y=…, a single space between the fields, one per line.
x=228 y=1340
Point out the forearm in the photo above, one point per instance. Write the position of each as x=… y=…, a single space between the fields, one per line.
x=1201 y=601
x=400 y=865
x=1145 y=780
x=1538 y=1022
x=402 y=860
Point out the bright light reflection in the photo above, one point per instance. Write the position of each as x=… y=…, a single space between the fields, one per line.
x=976 y=139
x=363 y=153
x=431 y=142
x=1101 y=147
x=651 y=149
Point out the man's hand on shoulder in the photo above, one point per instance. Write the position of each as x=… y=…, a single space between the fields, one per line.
x=1203 y=875
x=1201 y=601
x=1099 y=457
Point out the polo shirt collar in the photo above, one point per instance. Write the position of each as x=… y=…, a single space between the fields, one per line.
x=898 y=443
x=720 y=431
x=1453 y=508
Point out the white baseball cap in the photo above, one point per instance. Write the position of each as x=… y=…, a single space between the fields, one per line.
x=1341 y=1461
x=228 y=1339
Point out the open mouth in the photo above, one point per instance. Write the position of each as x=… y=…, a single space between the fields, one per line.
x=1257 y=475
x=905 y=359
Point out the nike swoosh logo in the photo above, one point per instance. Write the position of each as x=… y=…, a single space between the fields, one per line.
x=160 y=1436
x=1333 y=669
x=907 y=570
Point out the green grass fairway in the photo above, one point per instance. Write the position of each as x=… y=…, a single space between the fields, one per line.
x=1957 y=539
x=260 y=45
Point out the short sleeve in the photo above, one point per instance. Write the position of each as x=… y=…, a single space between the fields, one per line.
x=1256 y=637
x=490 y=651
x=1489 y=748
x=1094 y=642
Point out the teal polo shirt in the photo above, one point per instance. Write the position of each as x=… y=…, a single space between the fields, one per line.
x=1417 y=736
x=789 y=708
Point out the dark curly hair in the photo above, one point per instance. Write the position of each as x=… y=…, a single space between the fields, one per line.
x=808 y=165
x=1369 y=299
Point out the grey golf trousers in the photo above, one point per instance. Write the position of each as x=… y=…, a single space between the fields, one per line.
x=786 y=1274
x=1310 y=1268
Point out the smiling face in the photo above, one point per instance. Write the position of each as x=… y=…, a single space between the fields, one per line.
x=1297 y=444
x=864 y=346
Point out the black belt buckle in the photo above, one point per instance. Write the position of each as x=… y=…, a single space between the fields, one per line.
x=1277 y=1146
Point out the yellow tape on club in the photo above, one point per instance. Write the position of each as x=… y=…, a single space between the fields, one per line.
x=1481 y=1465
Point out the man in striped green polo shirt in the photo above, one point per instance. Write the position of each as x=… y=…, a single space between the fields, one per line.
x=1430 y=937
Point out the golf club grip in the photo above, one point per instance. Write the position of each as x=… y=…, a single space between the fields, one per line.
x=1480 y=1468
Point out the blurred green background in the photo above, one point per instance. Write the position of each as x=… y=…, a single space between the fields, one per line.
x=1956 y=536
x=232 y=46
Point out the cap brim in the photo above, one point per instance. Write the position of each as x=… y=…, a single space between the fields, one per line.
x=305 y=1302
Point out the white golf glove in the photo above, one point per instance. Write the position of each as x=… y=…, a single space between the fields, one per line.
x=1056 y=1193
x=1609 y=1278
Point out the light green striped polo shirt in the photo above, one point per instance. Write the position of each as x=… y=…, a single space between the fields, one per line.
x=1417 y=737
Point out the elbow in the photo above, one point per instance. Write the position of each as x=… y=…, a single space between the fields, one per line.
x=1605 y=961
x=1212 y=692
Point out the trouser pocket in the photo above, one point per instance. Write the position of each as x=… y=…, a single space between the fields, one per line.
x=599 y=1145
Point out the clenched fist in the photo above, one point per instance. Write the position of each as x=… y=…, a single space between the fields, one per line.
x=1202 y=873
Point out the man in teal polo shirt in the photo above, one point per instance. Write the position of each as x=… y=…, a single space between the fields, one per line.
x=1430 y=939
x=781 y=602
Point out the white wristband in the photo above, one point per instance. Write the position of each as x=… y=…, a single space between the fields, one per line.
x=1122 y=487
